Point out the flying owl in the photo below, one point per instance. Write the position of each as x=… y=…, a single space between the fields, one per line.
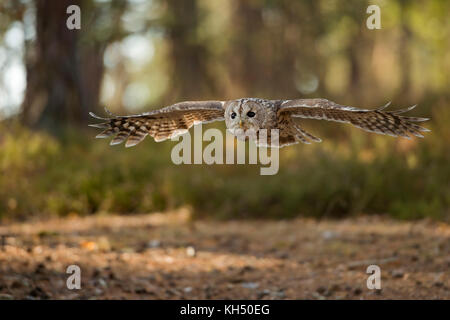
x=255 y=114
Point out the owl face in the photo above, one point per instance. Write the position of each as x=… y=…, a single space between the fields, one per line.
x=243 y=115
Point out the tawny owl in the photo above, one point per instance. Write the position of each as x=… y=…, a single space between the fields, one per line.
x=255 y=114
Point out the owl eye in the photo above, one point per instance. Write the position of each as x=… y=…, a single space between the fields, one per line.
x=233 y=115
x=250 y=114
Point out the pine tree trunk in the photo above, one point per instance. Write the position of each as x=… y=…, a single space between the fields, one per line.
x=190 y=76
x=63 y=78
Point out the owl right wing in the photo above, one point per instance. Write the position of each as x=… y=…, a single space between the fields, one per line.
x=161 y=124
x=379 y=121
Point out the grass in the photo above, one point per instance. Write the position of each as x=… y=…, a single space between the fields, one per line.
x=351 y=174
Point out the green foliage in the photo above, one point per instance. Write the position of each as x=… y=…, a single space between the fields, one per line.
x=357 y=174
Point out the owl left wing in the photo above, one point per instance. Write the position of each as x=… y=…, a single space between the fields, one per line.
x=161 y=124
x=378 y=120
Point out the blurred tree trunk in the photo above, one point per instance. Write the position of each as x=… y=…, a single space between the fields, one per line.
x=404 y=56
x=247 y=64
x=355 y=70
x=190 y=76
x=63 y=78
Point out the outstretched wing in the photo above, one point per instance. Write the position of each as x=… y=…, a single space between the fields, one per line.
x=161 y=124
x=378 y=121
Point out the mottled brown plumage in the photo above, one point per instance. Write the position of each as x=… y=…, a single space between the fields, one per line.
x=160 y=124
x=255 y=114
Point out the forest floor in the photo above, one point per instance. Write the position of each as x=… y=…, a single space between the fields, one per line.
x=168 y=256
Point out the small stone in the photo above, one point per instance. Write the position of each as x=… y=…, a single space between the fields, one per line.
x=328 y=235
x=280 y=294
x=263 y=293
x=397 y=274
x=98 y=291
x=125 y=251
x=250 y=285
x=154 y=243
x=102 y=283
x=187 y=289
x=5 y=296
x=318 y=296
x=37 y=250
x=327 y=293
x=190 y=251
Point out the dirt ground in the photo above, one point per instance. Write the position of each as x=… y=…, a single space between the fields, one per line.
x=167 y=256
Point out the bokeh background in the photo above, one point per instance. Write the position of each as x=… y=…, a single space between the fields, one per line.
x=139 y=55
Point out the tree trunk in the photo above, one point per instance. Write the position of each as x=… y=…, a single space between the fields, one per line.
x=63 y=78
x=247 y=64
x=190 y=76
x=404 y=54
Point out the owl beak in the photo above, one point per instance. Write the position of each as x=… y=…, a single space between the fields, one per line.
x=240 y=124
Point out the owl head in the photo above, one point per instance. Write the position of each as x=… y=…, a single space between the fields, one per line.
x=244 y=116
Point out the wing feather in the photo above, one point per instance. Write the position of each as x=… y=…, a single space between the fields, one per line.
x=161 y=124
x=378 y=120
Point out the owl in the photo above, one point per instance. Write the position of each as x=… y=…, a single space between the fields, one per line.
x=254 y=114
